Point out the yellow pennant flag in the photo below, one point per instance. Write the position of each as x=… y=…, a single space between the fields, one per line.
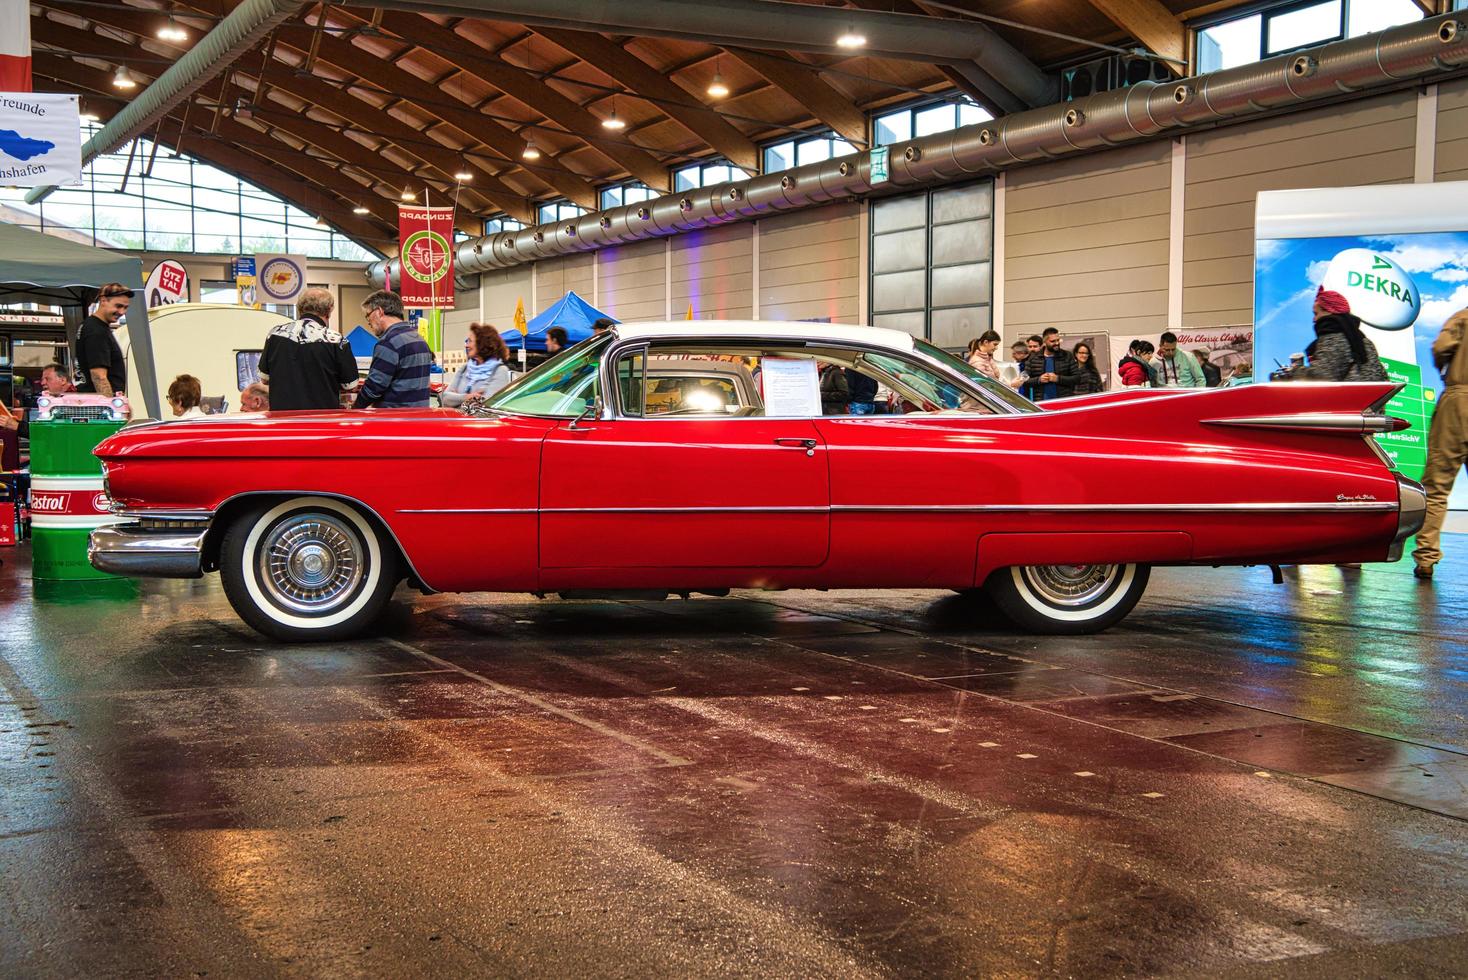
x=690 y=312
x=520 y=316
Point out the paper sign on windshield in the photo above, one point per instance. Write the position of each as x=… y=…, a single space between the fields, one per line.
x=792 y=387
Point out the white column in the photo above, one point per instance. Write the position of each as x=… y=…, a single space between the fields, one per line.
x=595 y=284
x=864 y=264
x=1175 y=234
x=1426 y=165
x=667 y=278
x=754 y=268
x=481 y=297
x=996 y=269
x=534 y=283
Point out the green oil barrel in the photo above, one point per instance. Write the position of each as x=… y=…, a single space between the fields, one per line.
x=67 y=501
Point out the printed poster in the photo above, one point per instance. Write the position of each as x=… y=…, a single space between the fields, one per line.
x=792 y=387
x=40 y=140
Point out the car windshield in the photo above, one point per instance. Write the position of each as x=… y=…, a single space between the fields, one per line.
x=1000 y=392
x=563 y=387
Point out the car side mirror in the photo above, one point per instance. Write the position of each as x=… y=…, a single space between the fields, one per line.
x=592 y=413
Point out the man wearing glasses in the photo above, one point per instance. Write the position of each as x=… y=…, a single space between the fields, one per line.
x=102 y=368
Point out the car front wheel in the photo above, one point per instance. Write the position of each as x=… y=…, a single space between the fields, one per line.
x=1067 y=600
x=310 y=568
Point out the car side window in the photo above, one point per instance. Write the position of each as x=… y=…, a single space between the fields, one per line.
x=663 y=382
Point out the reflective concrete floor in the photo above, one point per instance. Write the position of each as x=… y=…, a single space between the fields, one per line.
x=1242 y=780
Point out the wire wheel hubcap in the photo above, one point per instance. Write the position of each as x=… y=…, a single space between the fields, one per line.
x=311 y=563
x=1071 y=585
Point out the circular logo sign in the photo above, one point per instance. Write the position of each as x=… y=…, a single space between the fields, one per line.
x=280 y=279
x=425 y=256
x=1380 y=292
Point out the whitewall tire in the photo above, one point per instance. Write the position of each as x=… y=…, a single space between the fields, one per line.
x=309 y=568
x=1067 y=599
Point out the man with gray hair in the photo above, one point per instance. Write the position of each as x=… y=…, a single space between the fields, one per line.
x=305 y=362
x=398 y=377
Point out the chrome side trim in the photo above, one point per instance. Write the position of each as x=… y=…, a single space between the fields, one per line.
x=1413 y=512
x=818 y=509
x=1291 y=507
x=131 y=549
x=185 y=516
x=467 y=510
x=1343 y=421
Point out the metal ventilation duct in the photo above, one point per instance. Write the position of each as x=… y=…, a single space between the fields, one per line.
x=215 y=52
x=1145 y=110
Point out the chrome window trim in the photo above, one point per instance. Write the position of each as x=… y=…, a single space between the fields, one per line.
x=611 y=406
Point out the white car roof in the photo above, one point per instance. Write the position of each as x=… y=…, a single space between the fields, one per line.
x=894 y=340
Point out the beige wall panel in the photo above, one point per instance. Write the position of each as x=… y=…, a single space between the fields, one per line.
x=502 y=289
x=1086 y=241
x=558 y=276
x=1451 y=161
x=1114 y=258
x=1121 y=281
x=1143 y=311
x=630 y=280
x=1089 y=213
x=1367 y=142
x=1058 y=243
x=809 y=264
x=1082 y=171
x=713 y=269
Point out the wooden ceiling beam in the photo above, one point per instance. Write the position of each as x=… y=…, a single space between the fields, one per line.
x=262 y=172
x=667 y=96
x=469 y=124
x=486 y=193
x=1153 y=25
x=526 y=88
x=804 y=84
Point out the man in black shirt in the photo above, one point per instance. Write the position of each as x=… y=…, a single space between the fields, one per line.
x=103 y=370
x=306 y=363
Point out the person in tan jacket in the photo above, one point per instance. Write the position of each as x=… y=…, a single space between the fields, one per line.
x=1447 y=439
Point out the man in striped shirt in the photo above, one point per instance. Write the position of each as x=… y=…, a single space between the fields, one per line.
x=400 y=361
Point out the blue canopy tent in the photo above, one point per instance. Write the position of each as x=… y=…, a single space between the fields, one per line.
x=571 y=313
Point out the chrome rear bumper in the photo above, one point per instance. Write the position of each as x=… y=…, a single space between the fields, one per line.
x=1412 y=512
x=157 y=551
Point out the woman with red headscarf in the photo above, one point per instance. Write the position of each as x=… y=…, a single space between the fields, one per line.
x=1340 y=351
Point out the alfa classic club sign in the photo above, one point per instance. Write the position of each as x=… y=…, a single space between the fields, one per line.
x=426 y=277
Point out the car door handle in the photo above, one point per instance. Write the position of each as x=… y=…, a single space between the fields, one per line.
x=795 y=442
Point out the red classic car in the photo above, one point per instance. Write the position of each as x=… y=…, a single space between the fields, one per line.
x=704 y=456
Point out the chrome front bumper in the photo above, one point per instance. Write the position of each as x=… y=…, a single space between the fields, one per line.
x=151 y=550
x=1412 y=512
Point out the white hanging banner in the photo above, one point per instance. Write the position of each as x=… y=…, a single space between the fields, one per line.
x=40 y=140
x=279 y=278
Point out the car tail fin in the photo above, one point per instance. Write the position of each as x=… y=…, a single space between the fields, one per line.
x=1340 y=416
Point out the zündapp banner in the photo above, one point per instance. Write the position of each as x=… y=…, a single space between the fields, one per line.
x=1393 y=253
x=425 y=237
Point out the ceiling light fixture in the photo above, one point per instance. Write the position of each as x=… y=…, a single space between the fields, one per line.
x=717 y=89
x=850 y=40
x=361 y=210
x=531 y=152
x=408 y=195
x=612 y=122
x=463 y=176
x=172 y=32
x=321 y=223
x=121 y=79
x=89 y=117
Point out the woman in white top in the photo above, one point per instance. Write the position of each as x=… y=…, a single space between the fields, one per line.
x=184 y=396
x=484 y=373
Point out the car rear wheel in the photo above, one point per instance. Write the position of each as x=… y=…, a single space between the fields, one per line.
x=310 y=568
x=1067 y=600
